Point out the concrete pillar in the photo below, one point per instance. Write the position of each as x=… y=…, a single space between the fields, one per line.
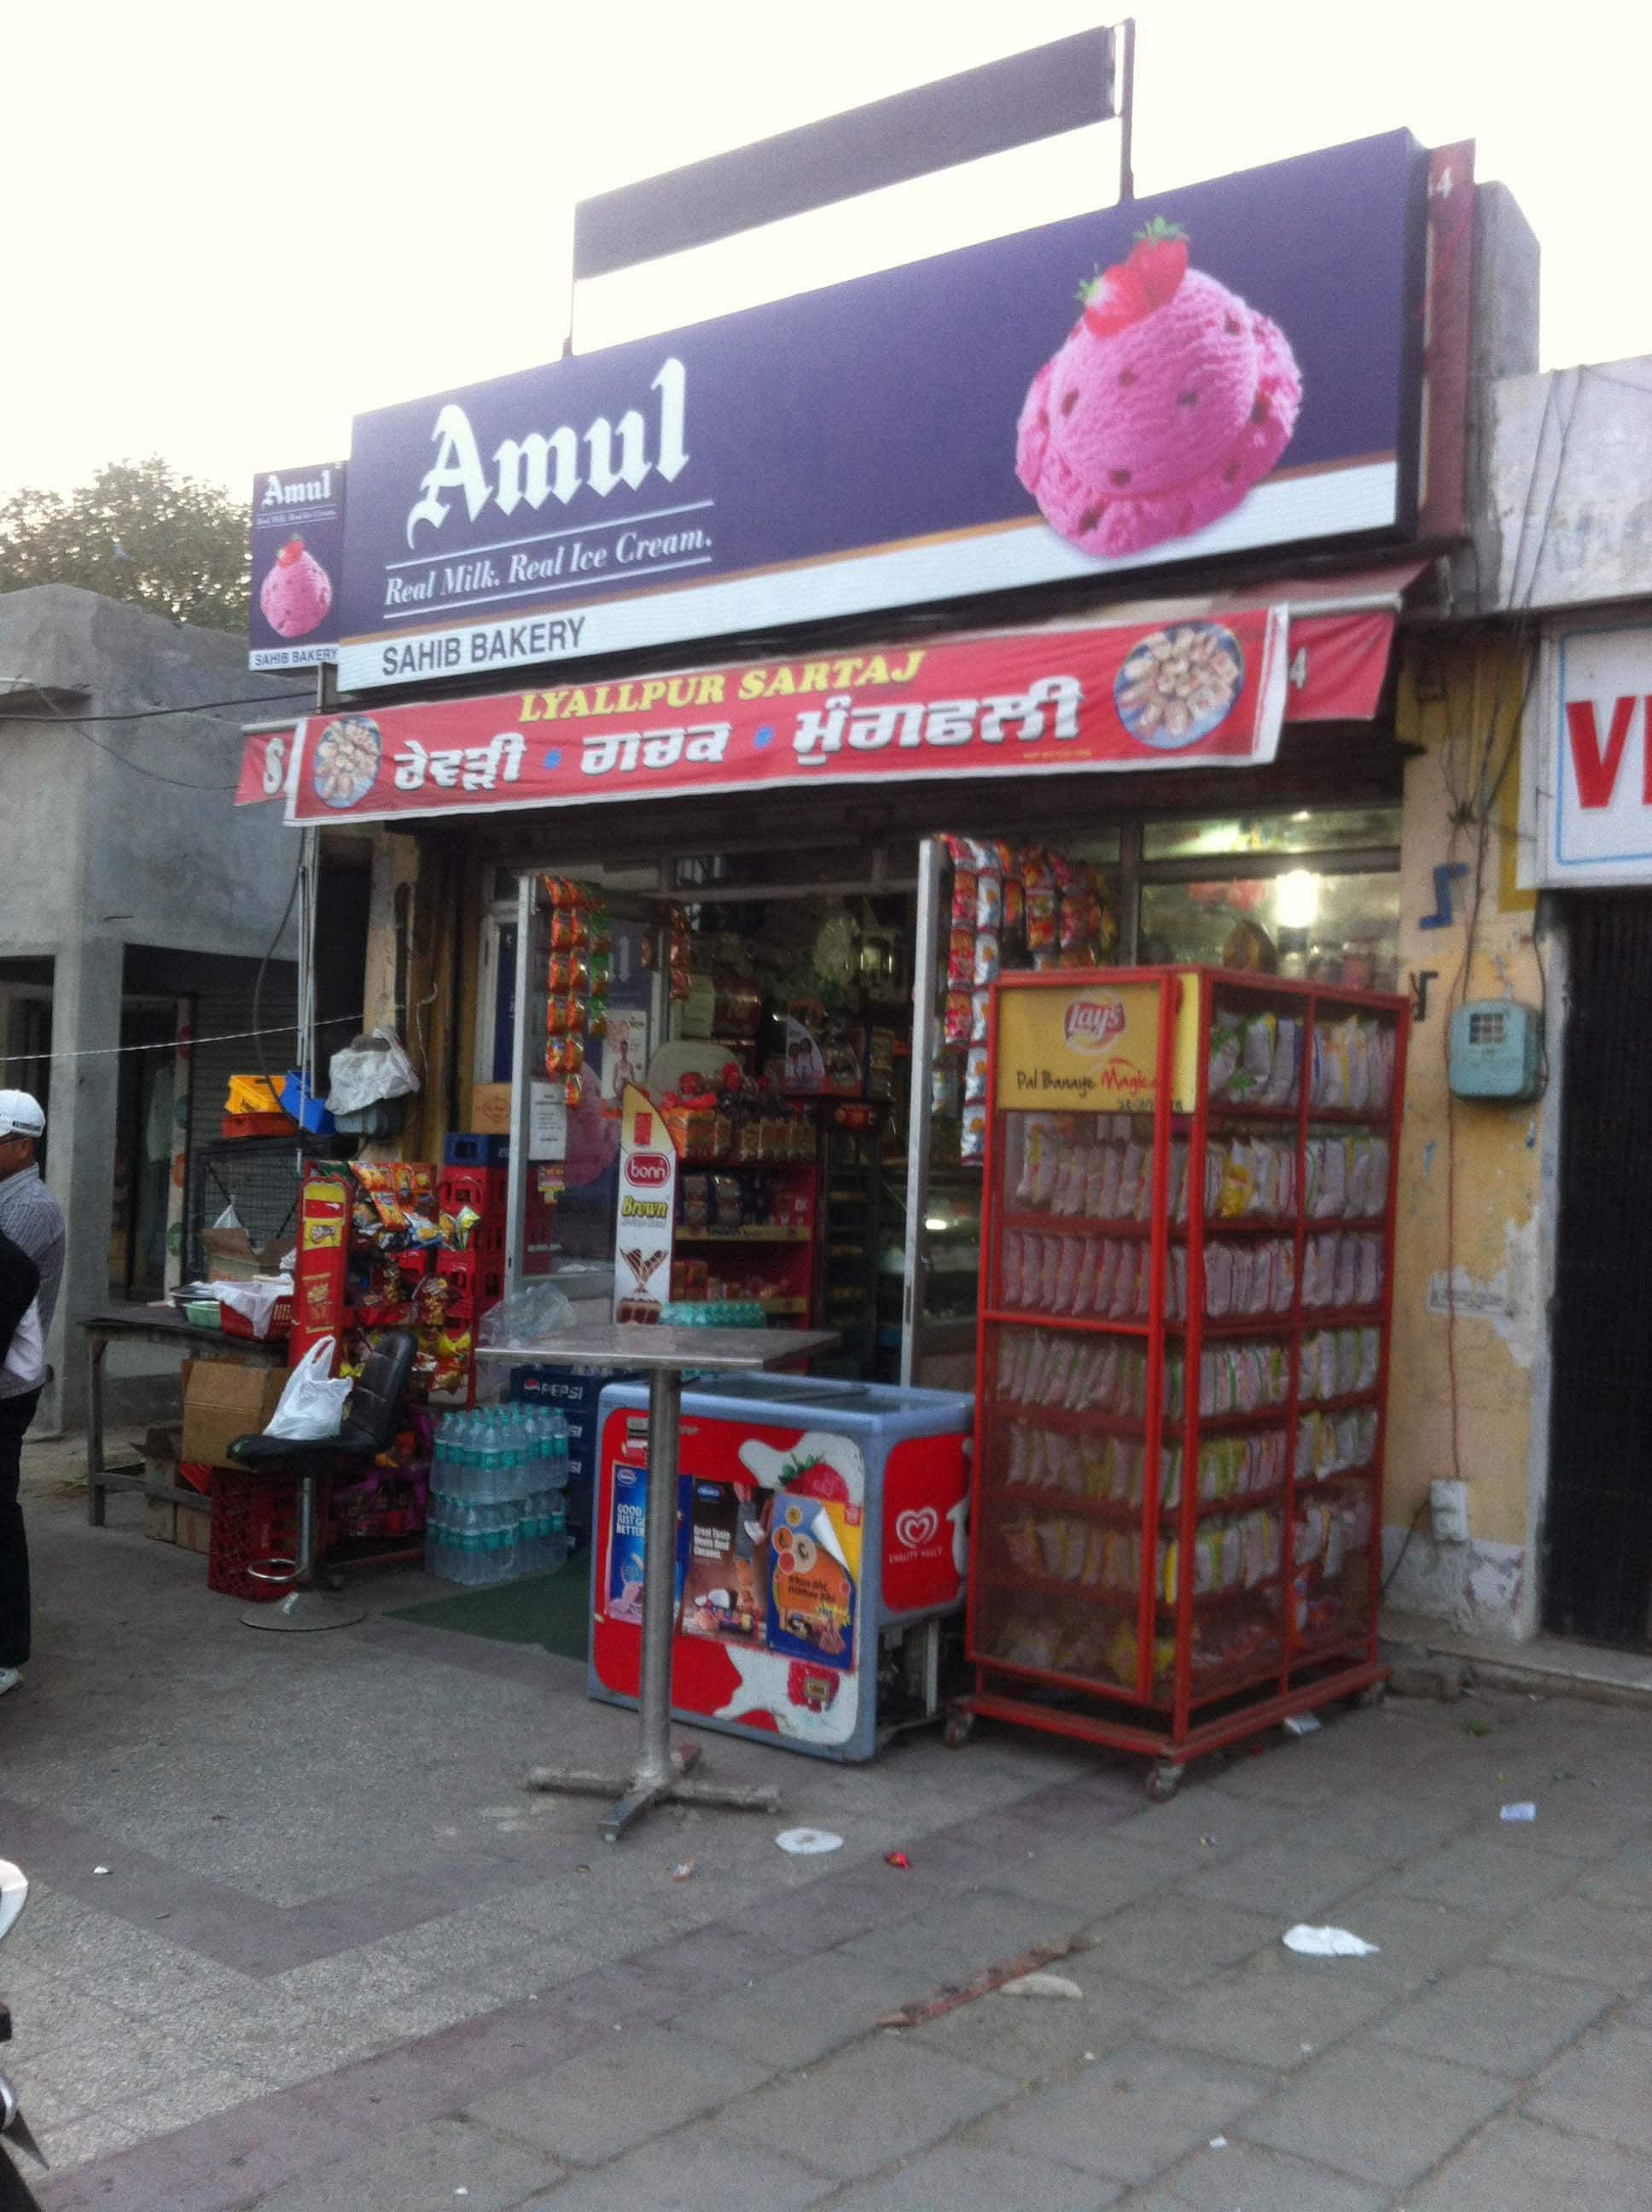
x=80 y=1150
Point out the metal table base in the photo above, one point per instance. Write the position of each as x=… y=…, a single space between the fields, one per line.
x=661 y=1775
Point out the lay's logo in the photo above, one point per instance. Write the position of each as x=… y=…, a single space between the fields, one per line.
x=647 y=1171
x=1091 y=1025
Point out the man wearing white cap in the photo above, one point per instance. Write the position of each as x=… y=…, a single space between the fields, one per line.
x=31 y=1218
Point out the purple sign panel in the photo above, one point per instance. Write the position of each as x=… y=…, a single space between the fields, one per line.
x=298 y=558
x=1232 y=366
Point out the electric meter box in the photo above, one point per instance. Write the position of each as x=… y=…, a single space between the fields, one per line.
x=1497 y=1050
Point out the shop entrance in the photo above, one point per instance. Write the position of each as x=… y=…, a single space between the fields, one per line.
x=1598 y=1540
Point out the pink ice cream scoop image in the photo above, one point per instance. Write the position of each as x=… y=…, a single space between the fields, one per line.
x=297 y=592
x=1169 y=400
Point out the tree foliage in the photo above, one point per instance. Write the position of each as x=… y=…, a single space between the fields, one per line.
x=139 y=532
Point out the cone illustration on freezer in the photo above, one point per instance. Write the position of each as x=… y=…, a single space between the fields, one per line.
x=1169 y=401
x=296 y=593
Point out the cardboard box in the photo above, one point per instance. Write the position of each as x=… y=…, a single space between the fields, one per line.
x=223 y=1400
x=229 y=1256
x=188 y=1526
x=491 y=1110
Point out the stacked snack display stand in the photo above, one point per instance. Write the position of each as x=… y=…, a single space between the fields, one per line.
x=1184 y=1333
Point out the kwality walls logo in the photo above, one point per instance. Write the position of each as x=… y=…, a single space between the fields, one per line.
x=1090 y=1026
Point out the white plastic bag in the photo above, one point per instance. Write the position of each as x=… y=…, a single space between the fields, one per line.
x=373 y=1068
x=256 y=1300
x=311 y=1406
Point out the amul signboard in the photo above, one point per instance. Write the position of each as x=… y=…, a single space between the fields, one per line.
x=1242 y=369
x=298 y=543
x=1587 y=767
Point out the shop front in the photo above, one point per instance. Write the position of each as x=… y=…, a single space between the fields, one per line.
x=700 y=956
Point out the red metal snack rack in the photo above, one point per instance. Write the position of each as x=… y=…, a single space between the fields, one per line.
x=1188 y=1269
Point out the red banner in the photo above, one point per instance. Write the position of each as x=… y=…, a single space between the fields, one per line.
x=266 y=756
x=1338 y=664
x=1186 y=692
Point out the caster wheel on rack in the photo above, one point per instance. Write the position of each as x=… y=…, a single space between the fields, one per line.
x=335 y=1581
x=1163 y=1781
x=1373 y=1699
x=957 y=1730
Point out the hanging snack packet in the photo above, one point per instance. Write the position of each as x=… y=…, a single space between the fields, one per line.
x=1124 y=1283
x=980 y=1007
x=964 y=899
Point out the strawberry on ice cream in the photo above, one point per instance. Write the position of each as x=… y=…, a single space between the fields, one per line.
x=1169 y=401
x=297 y=592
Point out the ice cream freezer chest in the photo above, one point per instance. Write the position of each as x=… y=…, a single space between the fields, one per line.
x=820 y=1540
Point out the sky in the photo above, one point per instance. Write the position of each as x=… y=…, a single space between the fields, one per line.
x=221 y=247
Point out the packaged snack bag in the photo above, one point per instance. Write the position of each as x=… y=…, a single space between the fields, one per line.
x=1069 y=1198
x=1347 y=1362
x=1048 y=1171
x=1227 y=1044
x=1178 y=1191
x=974 y=1075
x=1144 y=1283
x=1356 y=1050
x=1094 y=1159
x=1175 y=1290
x=1070 y=1250
x=972 y=1134
x=964 y=899
x=1107 y=1276
x=985 y=966
x=1112 y=1176
x=1131 y=1169
x=1345 y=1274
x=1010 y=1264
x=957 y=1018
x=989 y=900
x=1381 y=1057
x=1032 y=1144
x=1280 y=1089
x=1368 y=1286
x=960 y=961
x=980 y=1006
x=1084 y=1290
x=1218 y=1281
x=1124 y=1283
x=1238 y=1183
x=1049 y=1272
x=1370 y=1356
x=1256 y=1059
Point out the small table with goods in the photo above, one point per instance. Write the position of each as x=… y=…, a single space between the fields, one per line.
x=663 y=1352
x=156 y=1324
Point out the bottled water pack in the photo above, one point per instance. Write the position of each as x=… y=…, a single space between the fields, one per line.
x=498 y=1495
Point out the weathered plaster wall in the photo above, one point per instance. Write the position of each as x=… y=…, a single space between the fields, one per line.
x=1470 y=1197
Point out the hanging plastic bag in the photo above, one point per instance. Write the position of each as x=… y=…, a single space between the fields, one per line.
x=229 y=1219
x=311 y=1406
x=373 y=1068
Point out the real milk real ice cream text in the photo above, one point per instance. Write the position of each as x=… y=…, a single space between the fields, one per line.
x=1169 y=401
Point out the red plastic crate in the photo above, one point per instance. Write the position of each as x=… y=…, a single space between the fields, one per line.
x=253 y=1518
x=478 y=1278
x=232 y=1323
x=483 y=1188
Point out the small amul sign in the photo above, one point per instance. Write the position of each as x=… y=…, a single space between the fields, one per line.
x=1089 y=1048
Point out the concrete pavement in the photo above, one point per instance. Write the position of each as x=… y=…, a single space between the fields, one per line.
x=339 y=1958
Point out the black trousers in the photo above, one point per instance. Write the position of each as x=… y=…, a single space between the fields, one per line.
x=15 y=1415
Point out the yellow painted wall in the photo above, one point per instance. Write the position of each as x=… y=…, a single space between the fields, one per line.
x=1460 y=701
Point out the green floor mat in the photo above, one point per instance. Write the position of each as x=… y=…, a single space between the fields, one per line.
x=553 y=1609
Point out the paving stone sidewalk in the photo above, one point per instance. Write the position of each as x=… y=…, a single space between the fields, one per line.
x=339 y=1962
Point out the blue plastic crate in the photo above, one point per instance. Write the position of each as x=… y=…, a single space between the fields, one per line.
x=306 y=1109
x=470 y=1151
